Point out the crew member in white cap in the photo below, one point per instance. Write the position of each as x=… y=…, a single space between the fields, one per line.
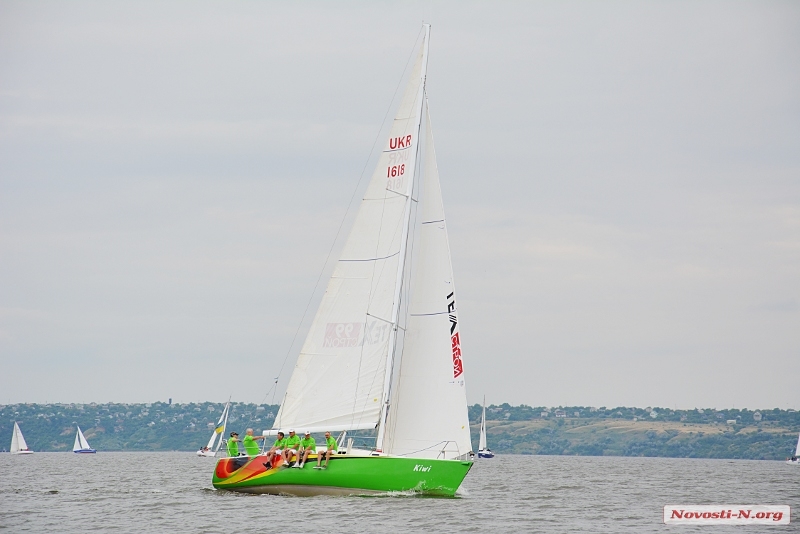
x=307 y=446
x=290 y=447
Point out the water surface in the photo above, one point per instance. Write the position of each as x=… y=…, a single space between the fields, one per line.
x=152 y=492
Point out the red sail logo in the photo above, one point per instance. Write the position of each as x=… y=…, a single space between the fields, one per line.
x=458 y=365
x=455 y=339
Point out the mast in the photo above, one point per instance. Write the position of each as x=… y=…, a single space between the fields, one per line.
x=387 y=383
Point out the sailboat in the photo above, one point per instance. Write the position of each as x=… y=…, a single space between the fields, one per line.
x=81 y=446
x=384 y=350
x=795 y=460
x=18 y=445
x=483 y=451
x=210 y=450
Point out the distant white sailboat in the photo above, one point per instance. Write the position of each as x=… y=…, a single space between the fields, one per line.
x=81 y=446
x=18 y=445
x=210 y=450
x=483 y=451
x=795 y=460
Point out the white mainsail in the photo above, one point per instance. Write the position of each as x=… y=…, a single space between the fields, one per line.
x=797 y=450
x=482 y=439
x=341 y=378
x=80 y=442
x=429 y=416
x=18 y=440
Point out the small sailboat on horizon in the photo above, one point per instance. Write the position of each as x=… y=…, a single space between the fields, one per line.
x=81 y=446
x=483 y=450
x=795 y=460
x=218 y=436
x=18 y=445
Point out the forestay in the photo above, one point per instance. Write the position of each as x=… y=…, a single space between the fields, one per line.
x=428 y=417
x=340 y=377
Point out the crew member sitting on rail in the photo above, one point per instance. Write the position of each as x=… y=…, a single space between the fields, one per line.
x=291 y=446
x=307 y=446
x=250 y=444
x=276 y=450
x=332 y=448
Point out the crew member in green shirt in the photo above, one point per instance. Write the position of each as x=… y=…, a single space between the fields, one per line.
x=331 y=448
x=250 y=444
x=276 y=450
x=233 y=445
x=307 y=446
x=290 y=447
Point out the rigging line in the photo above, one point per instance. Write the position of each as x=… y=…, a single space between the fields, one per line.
x=409 y=238
x=377 y=243
x=349 y=204
x=420 y=159
x=366 y=314
x=399 y=227
x=426 y=448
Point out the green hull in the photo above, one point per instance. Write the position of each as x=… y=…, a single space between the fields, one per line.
x=345 y=475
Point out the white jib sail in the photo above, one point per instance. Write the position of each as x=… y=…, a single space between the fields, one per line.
x=18 y=440
x=339 y=380
x=482 y=439
x=80 y=442
x=428 y=416
x=797 y=450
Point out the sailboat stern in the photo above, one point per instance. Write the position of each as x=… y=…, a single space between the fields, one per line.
x=345 y=475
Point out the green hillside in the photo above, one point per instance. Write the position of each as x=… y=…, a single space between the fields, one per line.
x=584 y=431
x=155 y=426
x=575 y=430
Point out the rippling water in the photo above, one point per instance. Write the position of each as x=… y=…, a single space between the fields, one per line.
x=151 y=492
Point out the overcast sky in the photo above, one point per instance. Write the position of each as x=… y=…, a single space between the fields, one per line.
x=621 y=180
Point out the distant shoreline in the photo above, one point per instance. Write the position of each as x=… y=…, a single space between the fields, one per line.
x=768 y=434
